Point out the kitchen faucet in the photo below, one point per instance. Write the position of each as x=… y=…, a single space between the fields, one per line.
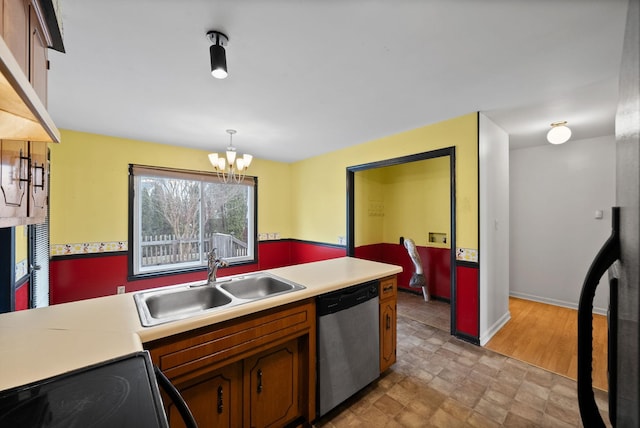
x=213 y=263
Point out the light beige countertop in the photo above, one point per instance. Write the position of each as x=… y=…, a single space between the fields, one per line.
x=44 y=342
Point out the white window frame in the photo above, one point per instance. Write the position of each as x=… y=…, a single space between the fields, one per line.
x=137 y=173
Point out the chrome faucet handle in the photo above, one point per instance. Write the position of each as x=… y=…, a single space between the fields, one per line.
x=212 y=266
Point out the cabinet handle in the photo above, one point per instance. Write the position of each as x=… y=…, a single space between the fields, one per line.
x=220 y=404
x=388 y=322
x=387 y=288
x=22 y=169
x=35 y=179
x=259 y=380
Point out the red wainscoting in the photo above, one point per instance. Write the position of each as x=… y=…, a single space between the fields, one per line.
x=22 y=297
x=467 y=315
x=74 y=278
x=306 y=252
x=436 y=263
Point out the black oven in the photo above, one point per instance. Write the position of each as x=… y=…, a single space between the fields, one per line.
x=122 y=392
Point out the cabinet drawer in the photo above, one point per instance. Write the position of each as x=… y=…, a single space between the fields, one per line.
x=388 y=288
x=231 y=340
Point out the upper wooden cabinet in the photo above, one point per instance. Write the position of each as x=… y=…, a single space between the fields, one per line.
x=14 y=174
x=15 y=31
x=24 y=182
x=24 y=167
x=38 y=57
x=28 y=29
x=39 y=184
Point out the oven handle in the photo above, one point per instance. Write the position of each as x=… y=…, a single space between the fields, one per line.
x=608 y=254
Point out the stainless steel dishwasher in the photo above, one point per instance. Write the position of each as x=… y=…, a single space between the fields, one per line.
x=348 y=343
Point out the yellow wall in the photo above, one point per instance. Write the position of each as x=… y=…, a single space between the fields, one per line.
x=89 y=185
x=319 y=190
x=21 y=244
x=408 y=200
x=417 y=201
x=369 y=207
x=304 y=200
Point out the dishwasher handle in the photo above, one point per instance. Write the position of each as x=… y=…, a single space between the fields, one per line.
x=337 y=301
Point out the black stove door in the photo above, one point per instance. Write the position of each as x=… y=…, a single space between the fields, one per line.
x=118 y=393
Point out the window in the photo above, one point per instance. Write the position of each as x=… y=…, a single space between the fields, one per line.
x=177 y=217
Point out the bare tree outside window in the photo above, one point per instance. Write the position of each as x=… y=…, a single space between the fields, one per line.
x=176 y=203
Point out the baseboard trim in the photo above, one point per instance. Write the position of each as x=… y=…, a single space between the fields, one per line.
x=548 y=301
x=485 y=338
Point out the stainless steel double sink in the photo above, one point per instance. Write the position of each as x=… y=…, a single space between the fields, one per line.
x=166 y=304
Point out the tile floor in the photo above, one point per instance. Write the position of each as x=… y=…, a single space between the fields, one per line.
x=441 y=381
x=435 y=313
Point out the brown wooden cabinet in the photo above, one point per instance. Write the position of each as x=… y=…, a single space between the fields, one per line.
x=260 y=367
x=388 y=313
x=38 y=57
x=24 y=166
x=14 y=177
x=15 y=30
x=272 y=385
x=215 y=400
x=39 y=183
x=24 y=187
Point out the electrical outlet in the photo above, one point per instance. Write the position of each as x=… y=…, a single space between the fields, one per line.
x=342 y=240
x=120 y=289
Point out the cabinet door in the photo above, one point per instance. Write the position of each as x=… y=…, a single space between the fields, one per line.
x=14 y=175
x=15 y=30
x=37 y=58
x=272 y=385
x=215 y=401
x=39 y=185
x=387 y=333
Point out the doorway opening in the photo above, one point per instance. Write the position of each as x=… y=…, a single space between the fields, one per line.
x=392 y=199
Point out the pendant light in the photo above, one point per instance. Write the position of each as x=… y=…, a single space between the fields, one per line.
x=230 y=167
x=559 y=133
x=218 y=54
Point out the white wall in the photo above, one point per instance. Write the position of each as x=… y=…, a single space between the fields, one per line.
x=494 y=228
x=555 y=191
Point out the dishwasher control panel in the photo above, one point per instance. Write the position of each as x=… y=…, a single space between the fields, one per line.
x=346 y=298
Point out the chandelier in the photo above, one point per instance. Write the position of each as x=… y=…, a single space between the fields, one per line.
x=230 y=167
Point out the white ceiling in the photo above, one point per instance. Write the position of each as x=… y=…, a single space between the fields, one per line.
x=308 y=77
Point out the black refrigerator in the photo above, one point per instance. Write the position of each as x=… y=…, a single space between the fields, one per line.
x=620 y=257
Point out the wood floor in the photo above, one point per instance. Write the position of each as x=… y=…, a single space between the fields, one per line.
x=546 y=336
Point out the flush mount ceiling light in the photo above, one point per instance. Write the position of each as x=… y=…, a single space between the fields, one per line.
x=559 y=133
x=230 y=168
x=218 y=54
